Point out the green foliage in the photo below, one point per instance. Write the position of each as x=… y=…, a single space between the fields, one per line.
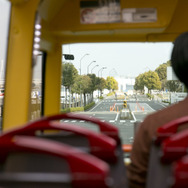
x=101 y=84
x=111 y=93
x=65 y=110
x=171 y=85
x=86 y=84
x=111 y=83
x=162 y=73
x=82 y=84
x=166 y=102
x=152 y=80
x=161 y=70
x=150 y=96
x=93 y=81
x=149 y=79
x=69 y=74
x=87 y=107
x=174 y=85
x=76 y=109
x=139 y=84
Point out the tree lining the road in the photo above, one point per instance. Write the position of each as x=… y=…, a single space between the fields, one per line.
x=171 y=85
x=159 y=81
x=84 y=84
x=148 y=79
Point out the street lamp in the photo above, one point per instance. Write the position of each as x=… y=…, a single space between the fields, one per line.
x=93 y=68
x=89 y=65
x=113 y=72
x=81 y=62
x=101 y=70
x=101 y=75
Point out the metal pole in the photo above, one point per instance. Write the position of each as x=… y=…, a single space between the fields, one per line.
x=89 y=65
x=80 y=85
x=81 y=62
x=93 y=68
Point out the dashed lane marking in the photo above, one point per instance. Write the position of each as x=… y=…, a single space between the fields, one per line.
x=122 y=121
x=112 y=121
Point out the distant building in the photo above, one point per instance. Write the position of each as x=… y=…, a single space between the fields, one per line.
x=125 y=84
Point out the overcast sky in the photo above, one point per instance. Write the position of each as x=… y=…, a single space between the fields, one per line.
x=4 y=20
x=127 y=59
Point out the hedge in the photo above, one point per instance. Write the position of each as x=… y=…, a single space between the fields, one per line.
x=78 y=109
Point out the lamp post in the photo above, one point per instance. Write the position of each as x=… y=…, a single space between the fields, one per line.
x=94 y=67
x=89 y=65
x=80 y=85
x=101 y=75
x=113 y=72
x=101 y=70
x=81 y=62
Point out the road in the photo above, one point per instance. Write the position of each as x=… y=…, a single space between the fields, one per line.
x=139 y=106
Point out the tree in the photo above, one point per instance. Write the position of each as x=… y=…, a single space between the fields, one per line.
x=93 y=83
x=162 y=73
x=149 y=79
x=174 y=85
x=111 y=83
x=101 y=84
x=139 y=84
x=161 y=70
x=152 y=80
x=83 y=85
x=69 y=73
x=86 y=85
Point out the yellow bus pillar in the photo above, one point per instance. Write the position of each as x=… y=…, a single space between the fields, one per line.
x=17 y=95
x=53 y=81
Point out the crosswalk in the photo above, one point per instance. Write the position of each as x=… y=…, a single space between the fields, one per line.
x=110 y=121
x=121 y=100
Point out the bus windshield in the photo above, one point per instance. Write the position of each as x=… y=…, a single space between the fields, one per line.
x=106 y=80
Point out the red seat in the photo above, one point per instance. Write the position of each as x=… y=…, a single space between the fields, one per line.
x=26 y=157
x=105 y=147
x=157 y=171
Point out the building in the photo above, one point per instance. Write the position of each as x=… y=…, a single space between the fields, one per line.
x=125 y=84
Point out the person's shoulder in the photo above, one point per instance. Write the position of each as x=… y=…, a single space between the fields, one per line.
x=175 y=110
x=160 y=117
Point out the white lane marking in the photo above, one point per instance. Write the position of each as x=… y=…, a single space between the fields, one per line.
x=162 y=105
x=122 y=121
x=149 y=106
x=132 y=121
x=133 y=116
x=112 y=121
x=66 y=121
x=117 y=117
x=96 y=106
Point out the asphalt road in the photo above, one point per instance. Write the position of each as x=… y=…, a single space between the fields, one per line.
x=109 y=110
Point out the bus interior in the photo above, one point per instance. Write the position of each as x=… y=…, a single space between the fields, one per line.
x=36 y=35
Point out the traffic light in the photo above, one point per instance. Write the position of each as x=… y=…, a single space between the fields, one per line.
x=68 y=56
x=125 y=104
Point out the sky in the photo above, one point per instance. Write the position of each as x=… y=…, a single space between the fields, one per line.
x=4 y=20
x=126 y=59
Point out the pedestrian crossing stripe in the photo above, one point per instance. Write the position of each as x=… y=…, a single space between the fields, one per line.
x=111 y=121
x=122 y=121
